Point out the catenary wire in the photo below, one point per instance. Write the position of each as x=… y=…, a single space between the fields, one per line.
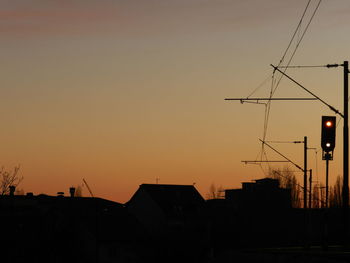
x=274 y=88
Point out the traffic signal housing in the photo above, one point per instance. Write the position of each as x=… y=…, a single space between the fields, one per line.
x=328 y=133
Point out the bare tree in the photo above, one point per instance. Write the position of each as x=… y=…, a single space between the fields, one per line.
x=335 y=193
x=316 y=196
x=9 y=178
x=214 y=192
x=322 y=195
x=288 y=180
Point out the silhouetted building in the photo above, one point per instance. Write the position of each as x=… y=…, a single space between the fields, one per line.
x=68 y=229
x=161 y=207
x=173 y=216
x=263 y=193
x=263 y=214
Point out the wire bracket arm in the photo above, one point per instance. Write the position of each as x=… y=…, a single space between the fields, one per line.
x=289 y=160
x=301 y=86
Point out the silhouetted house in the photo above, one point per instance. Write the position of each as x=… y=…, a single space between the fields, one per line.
x=262 y=194
x=263 y=214
x=68 y=229
x=173 y=216
x=162 y=208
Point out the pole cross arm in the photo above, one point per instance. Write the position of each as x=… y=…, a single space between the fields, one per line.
x=247 y=99
x=251 y=162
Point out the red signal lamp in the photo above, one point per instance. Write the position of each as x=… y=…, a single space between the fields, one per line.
x=328 y=133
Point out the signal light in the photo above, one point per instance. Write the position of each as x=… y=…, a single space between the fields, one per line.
x=328 y=133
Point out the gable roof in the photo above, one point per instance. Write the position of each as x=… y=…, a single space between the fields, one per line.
x=168 y=196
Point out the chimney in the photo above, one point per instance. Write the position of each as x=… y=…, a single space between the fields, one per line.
x=72 y=191
x=12 y=190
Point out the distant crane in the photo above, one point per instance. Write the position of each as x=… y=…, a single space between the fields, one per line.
x=88 y=188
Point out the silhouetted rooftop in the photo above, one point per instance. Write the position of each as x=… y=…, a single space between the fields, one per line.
x=168 y=196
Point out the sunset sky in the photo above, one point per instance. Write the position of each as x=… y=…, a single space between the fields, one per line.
x=122 y=92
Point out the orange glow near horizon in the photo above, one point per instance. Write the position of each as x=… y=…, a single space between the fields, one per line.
x=129 y=92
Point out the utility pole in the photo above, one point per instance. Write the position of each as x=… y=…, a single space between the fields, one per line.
x=346 y=155
x=328 y=157
x=305 y=172
x=306 y=223
x=310 y=187
x=327 y=176
x=344 y=115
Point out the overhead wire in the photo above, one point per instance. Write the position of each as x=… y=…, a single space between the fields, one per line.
x=272 y=90
x=259 y=86
x=295 y=32
x=275 y=83
x=299 y=41
x=267 y=109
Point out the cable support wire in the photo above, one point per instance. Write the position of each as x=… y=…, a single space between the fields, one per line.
x=252 y=102
x=259 y=86
x=295 y=32
x=266 y=158
x=289 y=45
x=267 y=110
x=297 y=171
x=337 y=124
x=276 y=81
x=307 y=66
x=284 y=141
x=242 y=100
x=272 y=90
x=274 y=84
x=255 y=162
x=261 y=154
x=299 y=41
x=314 y=95
x=296 y=165
x=311 y=66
